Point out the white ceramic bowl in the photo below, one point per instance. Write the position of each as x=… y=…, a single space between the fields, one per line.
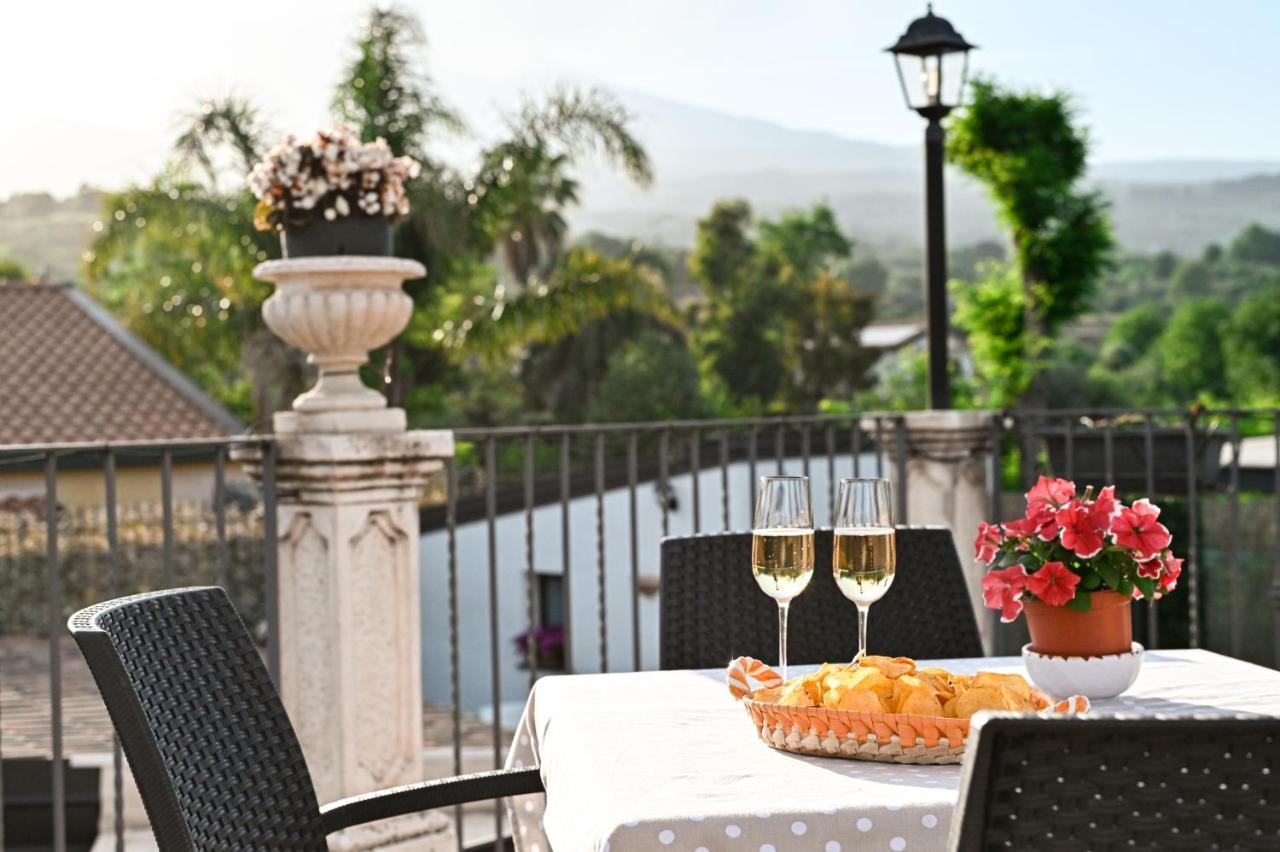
x=1095 y=677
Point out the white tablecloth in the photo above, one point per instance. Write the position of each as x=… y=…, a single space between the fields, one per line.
x=658 y=760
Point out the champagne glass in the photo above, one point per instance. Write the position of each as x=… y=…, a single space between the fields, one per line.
x=782 y=546
x=865 y=553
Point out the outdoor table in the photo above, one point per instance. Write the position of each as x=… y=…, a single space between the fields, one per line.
x=652 y=760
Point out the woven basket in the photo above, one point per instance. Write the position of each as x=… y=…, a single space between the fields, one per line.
x=853 y=735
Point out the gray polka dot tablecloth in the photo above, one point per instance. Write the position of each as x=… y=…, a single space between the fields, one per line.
x=667 y=760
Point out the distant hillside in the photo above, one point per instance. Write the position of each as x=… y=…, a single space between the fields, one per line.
x=48 y=235
x=701 y=155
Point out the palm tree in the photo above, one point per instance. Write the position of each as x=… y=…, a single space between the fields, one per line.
x=514 y=207
x=525 y=177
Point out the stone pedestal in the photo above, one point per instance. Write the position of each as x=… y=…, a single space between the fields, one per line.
x=948 y=464
x=348 y=480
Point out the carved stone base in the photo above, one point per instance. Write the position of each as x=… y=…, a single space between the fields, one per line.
x=948 y=456
x=426 y=832
x=350 y=643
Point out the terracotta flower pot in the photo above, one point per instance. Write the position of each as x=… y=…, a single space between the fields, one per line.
x=1105 y=629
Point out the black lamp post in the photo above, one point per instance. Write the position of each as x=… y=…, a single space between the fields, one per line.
x=933 y=60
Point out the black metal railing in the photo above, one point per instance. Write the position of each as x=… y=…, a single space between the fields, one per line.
x=587 y=505
x=65 y=521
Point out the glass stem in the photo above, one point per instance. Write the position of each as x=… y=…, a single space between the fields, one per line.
x=862 y=631
x=782 y=637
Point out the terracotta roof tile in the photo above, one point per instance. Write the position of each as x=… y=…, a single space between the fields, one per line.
x=69 y=373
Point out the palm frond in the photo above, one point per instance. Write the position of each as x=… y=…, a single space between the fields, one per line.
x=584 y=122
x=385 y=89
x=231 y=122
x=583 y=288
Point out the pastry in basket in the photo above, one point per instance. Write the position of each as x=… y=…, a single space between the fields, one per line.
x=895 y=685
x=880 y=708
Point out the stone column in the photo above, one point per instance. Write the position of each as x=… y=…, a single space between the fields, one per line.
x=948 y=458
x=348 y=480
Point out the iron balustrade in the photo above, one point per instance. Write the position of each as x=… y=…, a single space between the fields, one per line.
x=49 y=460
x=516 y=475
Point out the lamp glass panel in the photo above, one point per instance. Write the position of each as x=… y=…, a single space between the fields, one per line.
x=954 y=70
x=916 y=74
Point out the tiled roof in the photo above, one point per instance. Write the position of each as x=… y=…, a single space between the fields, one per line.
x=69 y=372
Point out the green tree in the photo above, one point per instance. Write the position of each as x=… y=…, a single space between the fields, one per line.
x=1256 y=244
x=780 y=320
x=1028 y=151
x=1131 y=336
x=1193 y=279
x=524 y=180
x=174 y=258
x=652 y=376
x=993 y=312
x=13 y=270
x=1252 y=348
x=1190 y=354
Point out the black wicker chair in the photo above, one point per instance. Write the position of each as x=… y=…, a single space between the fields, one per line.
x=210 y=746
x=1120 y=783
x=712 y=610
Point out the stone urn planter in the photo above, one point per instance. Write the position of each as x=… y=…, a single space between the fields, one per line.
x=336 y=309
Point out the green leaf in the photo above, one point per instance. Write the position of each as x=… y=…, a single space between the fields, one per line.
x=1082 y=602
x=1147 y=585
x=1111 y=575
x=1090 y=581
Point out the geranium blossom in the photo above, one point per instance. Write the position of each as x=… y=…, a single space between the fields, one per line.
x=987 y=544
x=1044 y=499
x=1150 y=568
x=1002 y=590
x=1080 y=531
x=1063 y=538
x=1054 y=583
x=1172 y=570
x=1049 y=495
x=1104 y=508
x=1139 y=529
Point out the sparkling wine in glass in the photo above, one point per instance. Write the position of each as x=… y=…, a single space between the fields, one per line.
x=865 y=553
x=782 y=546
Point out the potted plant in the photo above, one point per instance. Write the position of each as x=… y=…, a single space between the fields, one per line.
x=548 y=648
x=1074 y=564
x=331 y=194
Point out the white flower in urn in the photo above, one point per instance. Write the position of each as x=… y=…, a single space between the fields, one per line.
x=333 y=174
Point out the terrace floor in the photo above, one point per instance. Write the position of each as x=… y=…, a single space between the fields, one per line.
x=25 y=729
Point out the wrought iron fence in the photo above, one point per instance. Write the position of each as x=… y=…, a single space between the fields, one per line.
x=70 y=537
x=538 y=524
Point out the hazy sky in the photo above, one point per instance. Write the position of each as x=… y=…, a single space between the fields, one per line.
x=91 y=89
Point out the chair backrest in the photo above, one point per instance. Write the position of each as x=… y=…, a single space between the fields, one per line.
x=711 y=609
x=1120 y=783
x=207 y=738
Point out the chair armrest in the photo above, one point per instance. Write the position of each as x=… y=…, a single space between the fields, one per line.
x=412 y=798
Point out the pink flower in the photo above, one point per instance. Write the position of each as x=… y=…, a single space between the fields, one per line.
x=1150 y=568
x=1002 y=590
x=1049 y=495
x=1172 y=570
x=1104 y=508
x=1054 y=583
x=987 y=544
x=1139 y=529
x=1044 y=499
x=1022 y=528
x=1080 y=533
